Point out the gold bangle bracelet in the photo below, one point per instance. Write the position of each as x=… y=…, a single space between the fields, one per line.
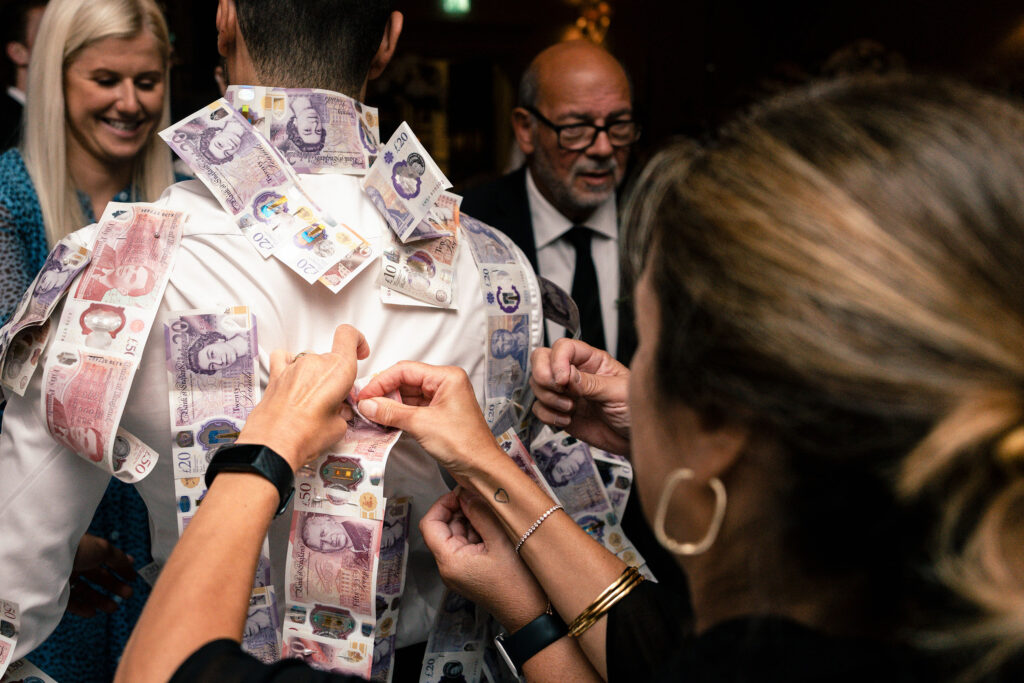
x=620 y=588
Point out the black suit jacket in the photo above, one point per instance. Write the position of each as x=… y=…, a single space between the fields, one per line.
x=505 y=205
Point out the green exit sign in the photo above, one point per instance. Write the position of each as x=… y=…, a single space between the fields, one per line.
x=455 y=6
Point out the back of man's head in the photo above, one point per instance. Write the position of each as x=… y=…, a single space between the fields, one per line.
x=313 y=43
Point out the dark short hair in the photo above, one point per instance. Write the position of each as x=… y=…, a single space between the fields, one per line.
x=313 y=43
x=14 y=15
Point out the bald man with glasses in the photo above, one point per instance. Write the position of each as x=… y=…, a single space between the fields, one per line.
x=575 y=125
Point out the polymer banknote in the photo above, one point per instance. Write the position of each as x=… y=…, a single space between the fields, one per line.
x=441 y=220
x=331 y=595
x=394 y=554
x=404 y=182
x=617 y=477
x=559 y=307
x=10 y=625
x=457 y=641
x=24 y=335
x=102 y=332
x=423 y=271
x=212 y=360
x=254 y=183
x=24 y=671
x=315 y=131
x=348 y=478
x=262 y=626
x=568 y=466
x=511 y=444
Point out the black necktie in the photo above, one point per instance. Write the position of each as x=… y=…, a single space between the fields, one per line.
x=584 y=287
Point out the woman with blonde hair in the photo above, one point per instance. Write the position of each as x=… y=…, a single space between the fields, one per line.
x=97 y=94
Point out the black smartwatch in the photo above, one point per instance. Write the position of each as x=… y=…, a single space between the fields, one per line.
x=517 y=648
x=251 y=457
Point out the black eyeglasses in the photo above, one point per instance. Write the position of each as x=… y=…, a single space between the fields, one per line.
x=576 y=137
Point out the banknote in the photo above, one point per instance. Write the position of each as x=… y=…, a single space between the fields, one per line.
x=254 y=183
x=316 y=131
x=423 y=270
x=332 y=561
x=404 y=182
x=10 y=625
x=84 y=397
x=569 y=468
x=262 y=626
x=21 y=338
x=347 y=479
x=486 y=243
x=394 y=553
x=362 y=254
x=313 y=250
x=132 y=256
x=617 y=477
x=21 y=357
x=511 y=444
x=24 y=671
x=508 y=349
x=441 y=220
x=212 y=360
x=456 y=643
x=351 y=656
x=559 y=307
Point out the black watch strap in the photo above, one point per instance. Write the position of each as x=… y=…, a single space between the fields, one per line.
x=256 y=459
x=517 y=648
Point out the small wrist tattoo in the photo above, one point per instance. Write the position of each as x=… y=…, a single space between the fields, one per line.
x=501 y=496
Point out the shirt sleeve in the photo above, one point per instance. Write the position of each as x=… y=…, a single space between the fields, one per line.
x=48 y=496
x=224 y=661
x=644 y=629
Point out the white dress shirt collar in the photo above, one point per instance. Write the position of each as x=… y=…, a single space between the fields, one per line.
x=549 y=224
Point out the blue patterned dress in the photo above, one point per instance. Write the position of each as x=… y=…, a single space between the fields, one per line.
x=85 y=650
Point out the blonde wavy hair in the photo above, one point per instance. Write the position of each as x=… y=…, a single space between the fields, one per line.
x=67 y=27
x=843 y=270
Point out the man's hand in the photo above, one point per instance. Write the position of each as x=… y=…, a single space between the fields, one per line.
x=104 y=565
x=584 y=391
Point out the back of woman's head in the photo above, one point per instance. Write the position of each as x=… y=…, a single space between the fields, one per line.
x=844 y=269
x=68 y=27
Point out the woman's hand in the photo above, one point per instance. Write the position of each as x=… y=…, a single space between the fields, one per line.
x=584 y=391
x=438 y=409
x=477 y=560
x=303 y=410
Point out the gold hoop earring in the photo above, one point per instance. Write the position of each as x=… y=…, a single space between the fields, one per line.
x=672 y=545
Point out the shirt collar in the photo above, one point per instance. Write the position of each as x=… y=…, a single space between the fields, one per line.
x=16 y=95
x=549 y=224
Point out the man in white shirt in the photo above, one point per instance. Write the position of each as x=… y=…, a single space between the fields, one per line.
x=574 y=124
x=48 y=493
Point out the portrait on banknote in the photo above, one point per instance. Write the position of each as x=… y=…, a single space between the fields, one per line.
x=134 y=251
x=508 y=344
x=63 y=263
x=220 y=144
x=221 y=350
x=305 y=130
x=332 y=560
x=405 y=175
x=568 y=466
x=484 y=241
x=395 y=215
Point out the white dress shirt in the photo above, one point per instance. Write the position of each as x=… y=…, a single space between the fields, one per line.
x=48 y=494
x=556 y=257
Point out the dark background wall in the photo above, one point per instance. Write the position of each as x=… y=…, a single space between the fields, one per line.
x=692 y=61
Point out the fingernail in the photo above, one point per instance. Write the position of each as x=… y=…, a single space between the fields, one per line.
x=576 y=376
x=368 y=407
